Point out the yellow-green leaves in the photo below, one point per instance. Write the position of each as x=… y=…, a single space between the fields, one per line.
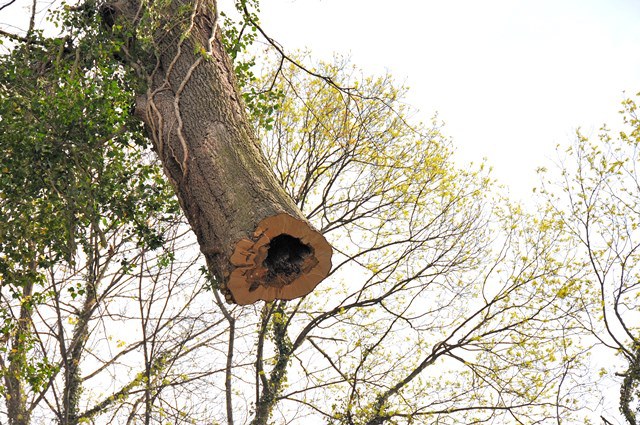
x=596 y=198
x=448 y=301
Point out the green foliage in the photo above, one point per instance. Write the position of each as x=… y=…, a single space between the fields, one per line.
x=239 y=36
x=74 y=165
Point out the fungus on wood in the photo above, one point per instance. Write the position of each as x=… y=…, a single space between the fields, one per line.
x=257 y=243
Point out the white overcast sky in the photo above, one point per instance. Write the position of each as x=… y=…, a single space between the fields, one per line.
x=510 y=78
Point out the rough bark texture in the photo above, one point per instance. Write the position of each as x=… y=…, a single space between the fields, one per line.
x=285 y=259
x=16 y=393
x=197 y=120
x=72 y=376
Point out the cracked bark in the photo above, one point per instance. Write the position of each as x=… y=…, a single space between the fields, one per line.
x=256 y=241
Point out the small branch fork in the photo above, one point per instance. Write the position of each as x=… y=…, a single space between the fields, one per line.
x=350 y=92
x=15 y=37
x=278 y=47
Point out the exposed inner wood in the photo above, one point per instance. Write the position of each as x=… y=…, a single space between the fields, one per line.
x=285 y=259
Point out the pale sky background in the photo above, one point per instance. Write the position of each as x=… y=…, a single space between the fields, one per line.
x=510 y=78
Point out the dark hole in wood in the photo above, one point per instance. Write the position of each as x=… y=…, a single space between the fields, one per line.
x=285 y=257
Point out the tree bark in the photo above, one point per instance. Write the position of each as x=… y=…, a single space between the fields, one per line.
x=16 y=393
x=18 y=413
x=257 y=243
x=72 y=376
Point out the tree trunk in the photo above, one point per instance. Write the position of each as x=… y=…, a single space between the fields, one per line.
x=72 y=376
x=15 y=392
x=257 y=243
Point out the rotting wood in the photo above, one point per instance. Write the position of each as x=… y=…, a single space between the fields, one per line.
x=285 y=259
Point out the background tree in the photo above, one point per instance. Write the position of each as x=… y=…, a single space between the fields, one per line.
x=420 y=283
x=598 y=201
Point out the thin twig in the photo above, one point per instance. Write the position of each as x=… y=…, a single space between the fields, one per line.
x=7 y=5
x=280 y=50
